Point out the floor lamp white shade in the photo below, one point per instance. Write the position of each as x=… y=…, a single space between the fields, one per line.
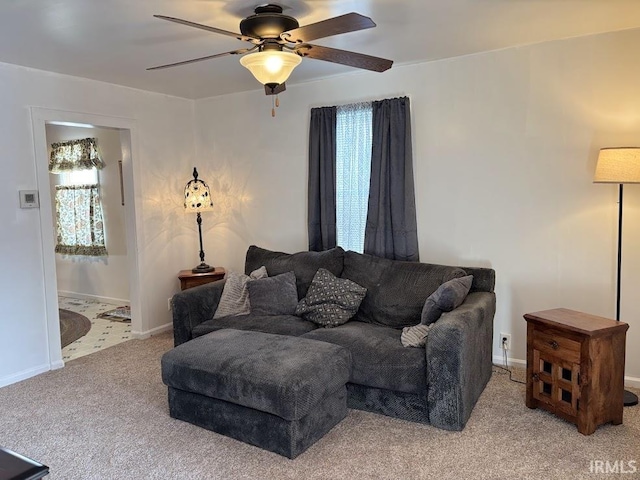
x=618 y=165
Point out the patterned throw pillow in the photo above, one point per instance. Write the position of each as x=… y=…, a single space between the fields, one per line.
x=330 y=301
x=447 y=297
x=235 y=296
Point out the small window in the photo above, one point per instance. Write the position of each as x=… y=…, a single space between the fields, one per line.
x=79 y=177
x=353 y=173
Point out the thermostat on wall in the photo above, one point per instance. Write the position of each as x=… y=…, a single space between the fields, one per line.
x=29 y=199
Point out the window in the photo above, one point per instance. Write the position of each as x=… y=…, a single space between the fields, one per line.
x=353 y=172
x=79 y=219
x=79 y=177
x=360 y=184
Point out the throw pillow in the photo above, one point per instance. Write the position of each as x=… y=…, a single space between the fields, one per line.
x=447 y=297
x=415 y=336
x=235 y=296
x=303 y=264
x=330 y=301
x=274 y=295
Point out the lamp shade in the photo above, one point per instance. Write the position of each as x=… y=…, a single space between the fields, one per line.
x=618 y=165
x=271 y=66
x=197 y=197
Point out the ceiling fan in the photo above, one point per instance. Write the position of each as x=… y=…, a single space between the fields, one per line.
x=279 y=43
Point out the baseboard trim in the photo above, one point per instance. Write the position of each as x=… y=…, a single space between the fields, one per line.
x=516 y=362
x=154 y=331
x=25 y=374
x=97 y=298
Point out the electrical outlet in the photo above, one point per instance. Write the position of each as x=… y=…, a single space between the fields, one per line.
x=169 y=304
x=505 y=341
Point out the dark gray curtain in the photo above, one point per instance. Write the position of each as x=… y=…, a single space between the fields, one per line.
x=391 y=230
x=322 y=179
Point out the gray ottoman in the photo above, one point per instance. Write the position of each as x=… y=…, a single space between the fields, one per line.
x=276 y=392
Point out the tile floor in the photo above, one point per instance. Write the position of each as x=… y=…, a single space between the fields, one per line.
x=104 y=333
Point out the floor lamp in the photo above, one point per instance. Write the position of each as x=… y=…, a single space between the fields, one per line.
x=197 y=199
x=619 y=165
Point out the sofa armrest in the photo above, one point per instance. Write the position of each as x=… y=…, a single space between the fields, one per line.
x=459 y=360
x=192 y=307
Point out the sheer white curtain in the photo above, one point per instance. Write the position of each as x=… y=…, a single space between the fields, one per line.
x=353 y=171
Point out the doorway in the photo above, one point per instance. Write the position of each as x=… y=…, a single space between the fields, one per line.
x=48 y=125
x=90 y=286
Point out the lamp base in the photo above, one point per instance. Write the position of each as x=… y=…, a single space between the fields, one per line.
x=630 y=399
x=203 y=268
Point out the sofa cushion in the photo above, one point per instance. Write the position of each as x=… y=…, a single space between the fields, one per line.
x=235 y=296
x=304 y=264
x=396 y=290
x=330 y=301
x=379 y=359
x=447 y=297
x=279 y=324
x=273 y=295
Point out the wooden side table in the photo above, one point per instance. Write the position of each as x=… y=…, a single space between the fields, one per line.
x=188 y=279
x=575 y=366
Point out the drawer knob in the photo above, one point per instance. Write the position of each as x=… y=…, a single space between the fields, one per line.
x=554 y=344
x=535 y=377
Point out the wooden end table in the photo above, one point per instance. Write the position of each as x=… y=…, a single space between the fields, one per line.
x=575 y=366
x=188 y=279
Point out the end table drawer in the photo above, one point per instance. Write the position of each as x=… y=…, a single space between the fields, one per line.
x=556 y=345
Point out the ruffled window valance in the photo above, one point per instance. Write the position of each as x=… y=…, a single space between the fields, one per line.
x=75 y=155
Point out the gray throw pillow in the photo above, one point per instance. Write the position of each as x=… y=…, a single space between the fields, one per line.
x=303 y=264
x=235 y=296
x=274 y=295
x=415 y=336
x=330 y=301
x=447 y=297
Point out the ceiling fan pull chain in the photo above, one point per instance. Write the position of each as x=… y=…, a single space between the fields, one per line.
x=277 y=101
x=273 y=107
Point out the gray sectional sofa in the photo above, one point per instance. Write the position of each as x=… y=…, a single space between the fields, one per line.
x=438 y=384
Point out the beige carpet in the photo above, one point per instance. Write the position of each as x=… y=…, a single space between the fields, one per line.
x=104 y=416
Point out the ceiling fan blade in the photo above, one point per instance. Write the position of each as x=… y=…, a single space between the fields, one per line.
x=239 y=36
x=349 y=22
x=344 y=57
x=276 y=90
x=200 y=59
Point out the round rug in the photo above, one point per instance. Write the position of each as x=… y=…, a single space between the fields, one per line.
x=72 y=326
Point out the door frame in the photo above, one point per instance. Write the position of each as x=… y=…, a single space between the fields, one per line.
x=130 y=172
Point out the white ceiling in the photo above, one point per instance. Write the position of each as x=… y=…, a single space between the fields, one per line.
x=116 y=40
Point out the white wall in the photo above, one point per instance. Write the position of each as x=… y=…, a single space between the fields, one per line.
x=105 y=278
x=162 y=161
x=505 y=145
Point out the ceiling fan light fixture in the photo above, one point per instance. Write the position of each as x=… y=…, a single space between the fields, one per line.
x=271 y=66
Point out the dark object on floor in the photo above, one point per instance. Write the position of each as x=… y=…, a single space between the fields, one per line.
x=14 y=466
x=72 y=326
x=120 y=314
x=276 y=392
